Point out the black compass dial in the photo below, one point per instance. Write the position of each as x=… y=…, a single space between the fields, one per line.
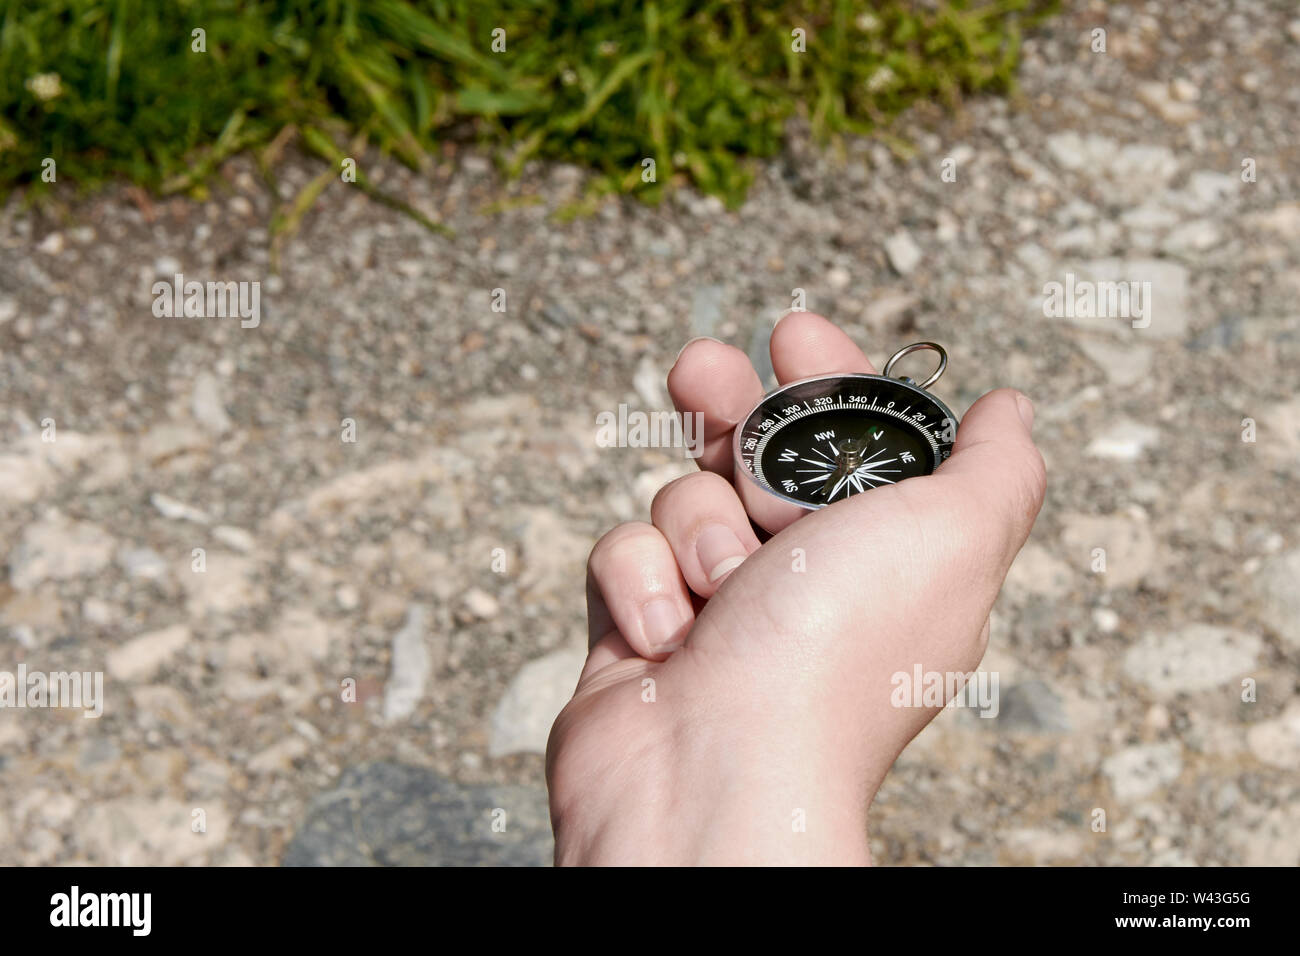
x=823 y=440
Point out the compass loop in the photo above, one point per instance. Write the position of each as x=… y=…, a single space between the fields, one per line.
x=918 y=347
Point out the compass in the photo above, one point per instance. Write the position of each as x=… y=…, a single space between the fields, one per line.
x=821 y=440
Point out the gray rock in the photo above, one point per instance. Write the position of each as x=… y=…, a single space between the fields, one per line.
x=410 y=667
x=1137 y=772
x=1276 y=585
x=387 y=814
x=1198 y=657
x=57 y=549
x=522 y=720
x=903 y=252
x=1032 y=706
x=706 y=309
x=206 y=405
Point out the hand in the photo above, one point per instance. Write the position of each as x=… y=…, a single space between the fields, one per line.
x=727 y=694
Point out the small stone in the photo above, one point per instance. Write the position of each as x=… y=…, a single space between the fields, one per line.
x=1279 y=597
x=1184 y=90
x=347 y=597
x=1282 y=220
x=236 y=538
x=1126 y=539
x=23 y=478
x=8 y=308
x=838 y=278
x=481 y=604
x=228 y=583
x=1032 y=706
x=1137 y=772
x=887 y=306
x=522 y=719
x=57 y=549
x=178 y=511
x=706 y=309
x=279 y=757
x=1159 y=98
x=410 y=667
x=1194 y=236
x=52 y=244
x=1277 y=741
x=1196 y=658
x=1106 y=620
x=166 y=266
x=206 y=404
x=1037 y=571
x=1124 y=365
x=1124 y=441
x=140 y=658
x=903 y=252
x=142 y=563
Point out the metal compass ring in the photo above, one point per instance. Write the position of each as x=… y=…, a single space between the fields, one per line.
x=918 y=347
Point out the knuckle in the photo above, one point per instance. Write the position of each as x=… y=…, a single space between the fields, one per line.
x=627 y=540
x=687 y=486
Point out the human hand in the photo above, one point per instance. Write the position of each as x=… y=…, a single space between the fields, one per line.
x=727 y=693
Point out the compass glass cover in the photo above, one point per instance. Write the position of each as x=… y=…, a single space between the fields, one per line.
x=826 y=439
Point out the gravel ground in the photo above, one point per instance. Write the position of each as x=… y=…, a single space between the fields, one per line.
x=431 y=570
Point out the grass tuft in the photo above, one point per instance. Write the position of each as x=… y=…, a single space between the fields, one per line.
x=115 y=88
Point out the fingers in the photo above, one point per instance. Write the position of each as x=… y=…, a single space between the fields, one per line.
x=717 y=380
x=996 y=468
x=707 y=528
x=804 y=345
x=634 y=587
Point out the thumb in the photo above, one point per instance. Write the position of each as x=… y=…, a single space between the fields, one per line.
x=996 y=468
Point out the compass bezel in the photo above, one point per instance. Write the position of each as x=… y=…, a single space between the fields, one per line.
x=772 y=509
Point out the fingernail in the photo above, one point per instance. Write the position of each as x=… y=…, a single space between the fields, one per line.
x=664 y=624
x=1026 y=409
x=720 y=551
x=697 y=338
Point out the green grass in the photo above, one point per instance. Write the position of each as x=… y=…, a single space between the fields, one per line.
x=700 y=86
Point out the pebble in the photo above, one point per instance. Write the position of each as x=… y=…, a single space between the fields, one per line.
x=481 y=604
x=206 y=404
x=52 y=244
x=1197 y=657
x=1127 y=540
x=142 y=657
x=1279 y=596
x=1277 y=742
x=1194 y=236
x=410 y=667
x=142 y=563
x=236 y=538
x=1124 y=365
x=169 y=507
x=903 y=252
x=521 y=721
x=1032 y=706
x=1140 y=771
x=57 y=549
x=1125 y=441
x=1160 y=98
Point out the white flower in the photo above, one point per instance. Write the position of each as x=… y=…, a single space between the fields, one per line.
x=45 y=86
